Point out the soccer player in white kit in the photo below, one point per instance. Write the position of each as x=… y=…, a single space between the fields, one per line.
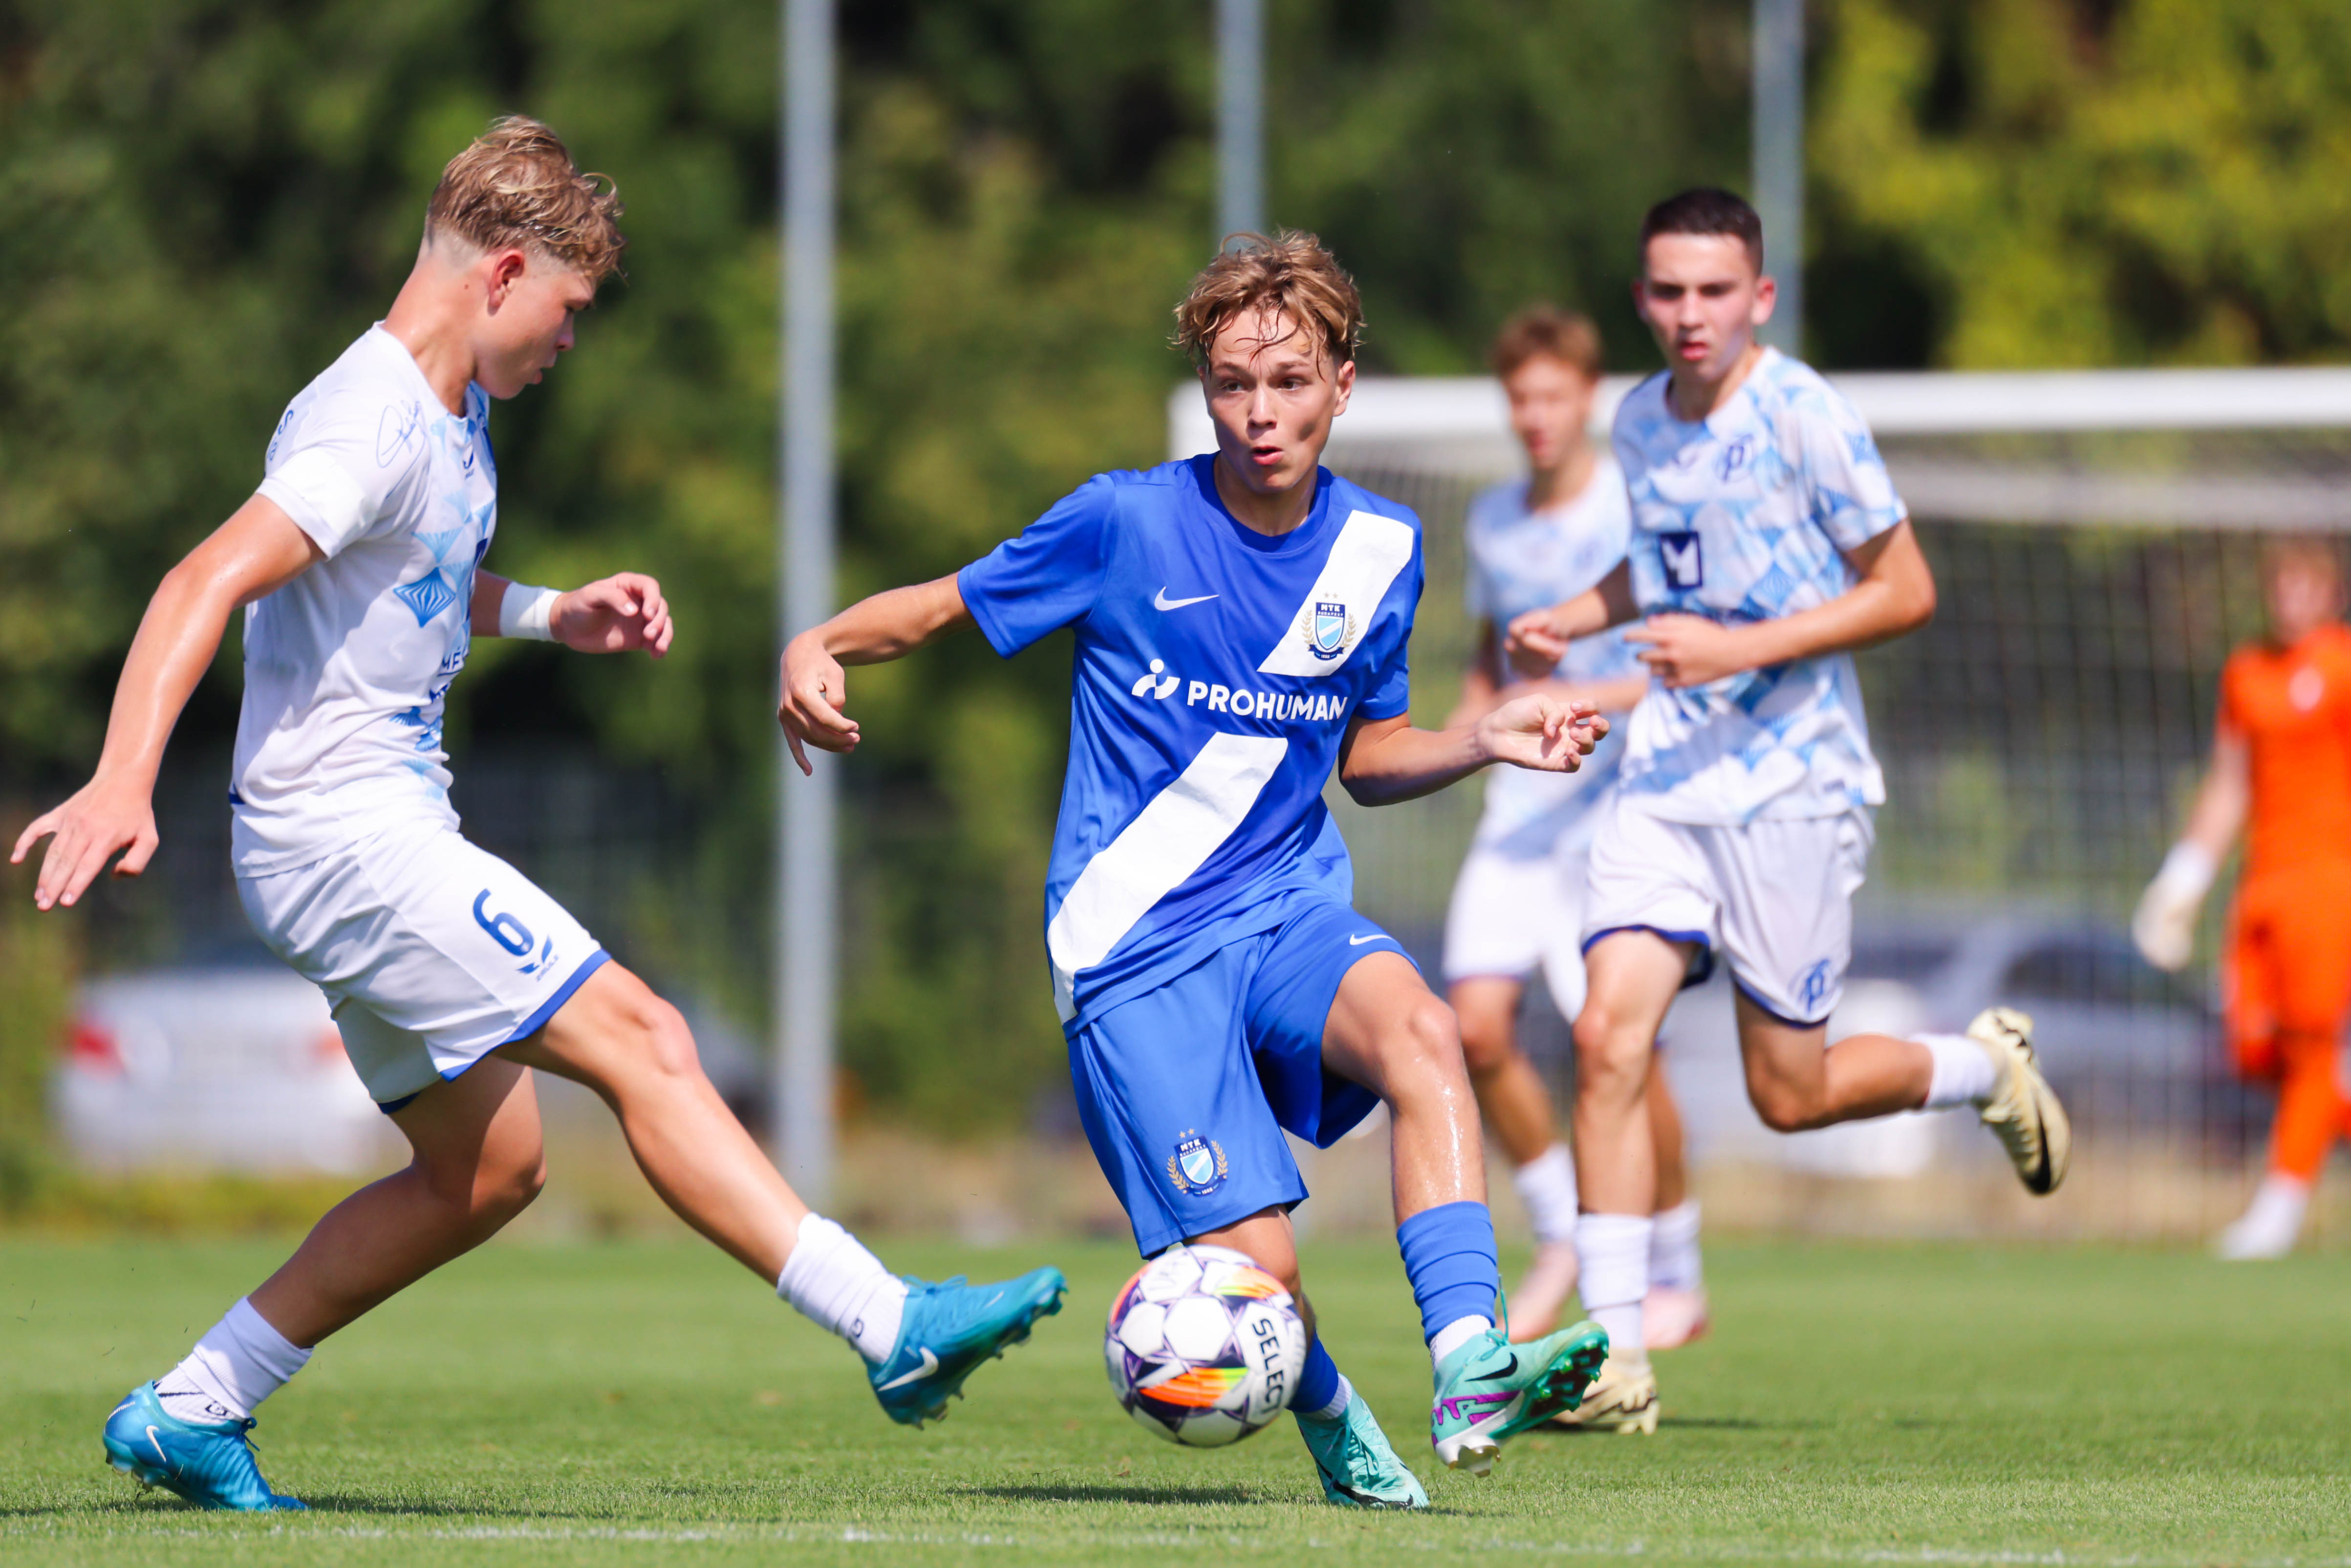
x=1768 y=543
x=451 y=973
x=1518 y=903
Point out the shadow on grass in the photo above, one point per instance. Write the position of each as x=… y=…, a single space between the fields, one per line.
x=160 y=1504
x=1080 y=1491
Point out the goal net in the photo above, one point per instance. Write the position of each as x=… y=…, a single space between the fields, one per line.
x=2095 y=539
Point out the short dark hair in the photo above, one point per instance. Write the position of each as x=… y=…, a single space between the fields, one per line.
x=1706 y=210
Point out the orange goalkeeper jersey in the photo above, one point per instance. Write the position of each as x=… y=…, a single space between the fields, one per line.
x=2292 y=708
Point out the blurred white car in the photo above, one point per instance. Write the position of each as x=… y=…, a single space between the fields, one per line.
x=230 y=1065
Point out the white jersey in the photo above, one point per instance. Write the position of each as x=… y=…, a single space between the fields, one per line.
x=346 y=667
x=1743 y=518
x=1520 y=560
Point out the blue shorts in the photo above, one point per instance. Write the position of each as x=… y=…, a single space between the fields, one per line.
x=1186 y=1091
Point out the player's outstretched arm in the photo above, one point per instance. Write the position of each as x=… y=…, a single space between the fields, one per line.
x=256 y=552
x=889 y=625
x=2164 y=924
x=1386 y=760
x=1895 y=595
x=618 y=614
x=1539 y=639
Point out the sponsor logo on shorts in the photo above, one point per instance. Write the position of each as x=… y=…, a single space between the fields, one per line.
x=1812 y=987
x=1197 y=1167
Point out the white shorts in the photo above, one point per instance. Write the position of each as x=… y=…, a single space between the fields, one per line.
x=433 y=952
x=1512 y=914
x=1773 y=898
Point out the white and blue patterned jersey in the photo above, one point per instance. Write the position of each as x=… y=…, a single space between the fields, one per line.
x=347 y=666
x=1520 y=560
x=1217 y=671
x=1744 y=516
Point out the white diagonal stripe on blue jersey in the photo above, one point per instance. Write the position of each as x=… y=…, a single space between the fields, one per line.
x=1153 y=855
x=1369 y=551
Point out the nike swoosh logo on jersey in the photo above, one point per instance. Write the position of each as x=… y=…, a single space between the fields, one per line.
x=1375 y=936
x=1161 y=602
x=930 y=1364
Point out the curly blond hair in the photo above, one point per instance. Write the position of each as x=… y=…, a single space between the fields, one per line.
x=1288 y=274
x=517 y=185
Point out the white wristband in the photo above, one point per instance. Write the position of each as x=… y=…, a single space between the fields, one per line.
x=2188 y=873
x=525 y=609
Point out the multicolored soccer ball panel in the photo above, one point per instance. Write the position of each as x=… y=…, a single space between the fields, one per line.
x=1204 y=1348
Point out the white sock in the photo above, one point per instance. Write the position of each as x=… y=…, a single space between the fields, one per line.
x=1546 y=1185
x=240 y=1362
x=1964 y=1071
x=1338 y=1405
x=835 y=1282
x=2278 y=1206
x=1455 y=1334
x=1673 y=1248
x=1612 y=1252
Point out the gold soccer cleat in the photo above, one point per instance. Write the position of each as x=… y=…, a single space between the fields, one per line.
x=1623 y=1398
x=2022 y=1112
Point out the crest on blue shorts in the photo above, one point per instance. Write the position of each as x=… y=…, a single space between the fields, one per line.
x=1197 y=1167
x=1328 y=628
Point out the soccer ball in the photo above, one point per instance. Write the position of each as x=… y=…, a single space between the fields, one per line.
x=1204 y=1346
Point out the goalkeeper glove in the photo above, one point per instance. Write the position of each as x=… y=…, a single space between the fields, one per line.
x=2164 y=925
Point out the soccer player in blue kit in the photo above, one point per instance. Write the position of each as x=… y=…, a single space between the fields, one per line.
x=1241 y=619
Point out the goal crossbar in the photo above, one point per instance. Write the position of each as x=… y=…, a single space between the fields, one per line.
x=1460 y=424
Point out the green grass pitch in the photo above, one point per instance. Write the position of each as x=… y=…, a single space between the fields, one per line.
x=646 y=1402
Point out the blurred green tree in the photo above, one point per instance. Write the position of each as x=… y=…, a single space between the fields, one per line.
x=2070 y=183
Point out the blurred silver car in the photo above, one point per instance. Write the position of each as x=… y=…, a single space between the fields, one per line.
x=231 y=1064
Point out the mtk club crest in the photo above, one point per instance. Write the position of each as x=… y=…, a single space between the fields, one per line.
x=1197 y=1167
x=1328 y=628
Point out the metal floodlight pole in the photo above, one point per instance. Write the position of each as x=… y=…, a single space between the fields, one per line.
x=1240 y=116
x=1778 y=106
x=807 y=875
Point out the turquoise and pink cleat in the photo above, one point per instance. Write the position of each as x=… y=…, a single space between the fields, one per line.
x=1490 y=1390
x=210 y=1463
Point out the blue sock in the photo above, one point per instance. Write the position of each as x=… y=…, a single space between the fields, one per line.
x=1448 y=1255
x=1319 y=1384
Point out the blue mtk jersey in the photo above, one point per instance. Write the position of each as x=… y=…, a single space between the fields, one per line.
x=1217 y=671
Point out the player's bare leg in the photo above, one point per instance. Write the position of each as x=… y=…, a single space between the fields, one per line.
x=1795 y=1084
x=920 y=1341
x=1632 y=977
x=475 y=1162
x=1518 y=1109
x=1389 y=1032
x=635 y=1051
x=1512 y=1094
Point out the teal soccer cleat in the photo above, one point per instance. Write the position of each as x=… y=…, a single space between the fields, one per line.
x=209 y=1463
x=1358 y=1468
x=1490 y=1390
x=948 y=1330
